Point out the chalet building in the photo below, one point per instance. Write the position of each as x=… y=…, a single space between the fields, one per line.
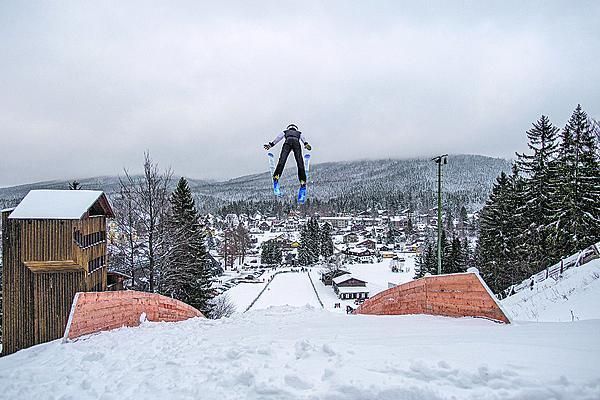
x=232 y=220
x=348 y=287
x=264 y=226
x=357 y=227
x=398 y=222
x=54 y=245
x=350 y=238
x=369 y=244
x=327 y=277
x=367 y=222
x=337 y=222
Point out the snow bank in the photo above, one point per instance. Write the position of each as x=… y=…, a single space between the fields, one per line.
x=308 y=353
x=575 y=296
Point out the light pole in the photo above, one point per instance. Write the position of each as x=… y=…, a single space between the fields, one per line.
x=439 y=160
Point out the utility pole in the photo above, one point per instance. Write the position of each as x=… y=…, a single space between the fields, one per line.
x=439 y=160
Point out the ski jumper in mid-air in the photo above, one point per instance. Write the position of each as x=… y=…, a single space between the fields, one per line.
x=293 y=137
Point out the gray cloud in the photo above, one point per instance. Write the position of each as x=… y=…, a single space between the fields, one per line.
x=86 y=88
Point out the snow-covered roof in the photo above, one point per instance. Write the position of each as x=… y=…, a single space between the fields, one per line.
x=342 y=278
x=57 y=204
x=353 y=289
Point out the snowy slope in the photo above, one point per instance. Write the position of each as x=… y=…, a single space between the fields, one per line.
x=576 y=296
x=307 y=353
x=290 y=288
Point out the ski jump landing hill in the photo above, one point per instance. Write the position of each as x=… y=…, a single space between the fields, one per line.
x=453 y=295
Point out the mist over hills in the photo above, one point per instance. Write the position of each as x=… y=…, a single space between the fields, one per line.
x=468 y=176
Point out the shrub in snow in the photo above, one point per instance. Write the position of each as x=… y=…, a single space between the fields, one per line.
x=221 y=306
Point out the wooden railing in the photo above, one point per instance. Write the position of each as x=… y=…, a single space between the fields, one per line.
x=555 y=271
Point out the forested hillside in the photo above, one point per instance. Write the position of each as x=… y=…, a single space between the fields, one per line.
x=336 y=186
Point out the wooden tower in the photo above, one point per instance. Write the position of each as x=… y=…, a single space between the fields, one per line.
x=54 y=245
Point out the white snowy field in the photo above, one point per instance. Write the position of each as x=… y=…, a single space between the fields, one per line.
x=243 y=294
x=575 y=296
x=378 y=275
x=310 y=353
x=290 y=288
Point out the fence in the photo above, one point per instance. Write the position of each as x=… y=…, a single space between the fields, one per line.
x=555 y=271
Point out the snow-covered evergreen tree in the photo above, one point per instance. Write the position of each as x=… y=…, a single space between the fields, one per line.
x=270 y=253
x=576 y=194
x=310 y=243
x=186 y=276
x=426 y=262
x=457 y=257
x=326 y=241
x=536 y=208
x=498 y=237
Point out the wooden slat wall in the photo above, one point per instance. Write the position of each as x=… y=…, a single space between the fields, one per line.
x=36 y=306
x=53 y=296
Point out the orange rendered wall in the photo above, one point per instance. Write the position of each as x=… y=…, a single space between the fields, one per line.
x=100 y=311
x=454 y=295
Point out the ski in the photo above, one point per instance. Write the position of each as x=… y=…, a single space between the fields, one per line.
x=276 y=188
x=302 y=190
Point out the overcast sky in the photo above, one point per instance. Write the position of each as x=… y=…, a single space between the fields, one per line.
x=86 y=87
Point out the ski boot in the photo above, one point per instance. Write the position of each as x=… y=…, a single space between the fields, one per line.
x=276 y=188
x=302 y=193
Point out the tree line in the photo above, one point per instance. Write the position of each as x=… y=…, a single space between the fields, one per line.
x=547 y=208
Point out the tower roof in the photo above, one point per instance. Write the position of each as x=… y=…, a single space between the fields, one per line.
x=62 y=204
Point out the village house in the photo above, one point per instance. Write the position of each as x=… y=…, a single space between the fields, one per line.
x=368 y=243
x=264 y=226
x=328 y=276
x=348 y=287
x=337 y=222
x=351 y=237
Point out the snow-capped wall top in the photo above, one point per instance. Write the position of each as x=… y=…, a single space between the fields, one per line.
x=57 y=204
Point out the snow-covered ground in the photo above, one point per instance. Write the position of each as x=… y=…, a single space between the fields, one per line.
x=310 y=353
x=575 y=296
x=290 y=288
x=378 y=277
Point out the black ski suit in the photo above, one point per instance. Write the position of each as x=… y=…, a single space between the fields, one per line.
x=292 y=143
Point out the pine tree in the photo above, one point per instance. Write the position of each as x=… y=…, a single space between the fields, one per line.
x=457 y=260
x=576 y=195
x=326 y=241
x=271 y=253
x=315 y=240
x=303 y=250
x=186 y=277
x=496 y=252
x=75 y=185
x=536 y=211
x=310 y=243
x=426 y=262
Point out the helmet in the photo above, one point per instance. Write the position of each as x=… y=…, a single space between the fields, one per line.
x=292 y=126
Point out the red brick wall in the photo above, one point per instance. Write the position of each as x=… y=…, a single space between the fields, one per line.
x=454 y=295
x=100 y=311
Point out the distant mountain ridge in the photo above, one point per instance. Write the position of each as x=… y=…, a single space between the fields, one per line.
x=471 y=175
